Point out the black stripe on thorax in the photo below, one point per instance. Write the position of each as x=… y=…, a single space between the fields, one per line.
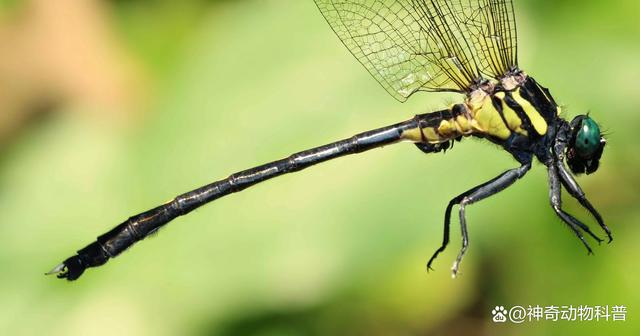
x=537 y=96
x=497 y=105
x=526 y=122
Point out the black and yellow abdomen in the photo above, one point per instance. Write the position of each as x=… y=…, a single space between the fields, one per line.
x=524 y=111
x=441 y=126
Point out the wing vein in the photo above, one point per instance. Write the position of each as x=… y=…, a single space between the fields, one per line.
x=427 y=45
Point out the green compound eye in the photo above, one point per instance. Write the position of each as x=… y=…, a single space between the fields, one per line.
x=587 y=138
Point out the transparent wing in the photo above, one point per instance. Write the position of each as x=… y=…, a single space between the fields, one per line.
x=491 y=27
x=426 y=45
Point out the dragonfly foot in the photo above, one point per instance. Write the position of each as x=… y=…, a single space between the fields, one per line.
x=590 y=252
x=455 y=270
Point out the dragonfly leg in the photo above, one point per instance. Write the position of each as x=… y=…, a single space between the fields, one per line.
x=471 y=196
x=447 y=225
x=556 y=204
x=574 y=190
x=447 y=221
x=434 y=148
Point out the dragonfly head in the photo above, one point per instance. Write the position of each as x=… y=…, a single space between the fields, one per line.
x=586 y=144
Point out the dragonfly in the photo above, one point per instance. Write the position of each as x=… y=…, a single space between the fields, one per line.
x=464 y=46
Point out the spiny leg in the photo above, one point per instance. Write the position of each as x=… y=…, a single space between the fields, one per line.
x=570 y=183
x=556 y=204
x=574 y=190
x=447 y=219
x=471 y=196
x=447 y=225
x=465 y=237
x=583 y=226
x=500 y=183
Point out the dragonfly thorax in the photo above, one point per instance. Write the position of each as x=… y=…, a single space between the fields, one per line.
x=513 y=80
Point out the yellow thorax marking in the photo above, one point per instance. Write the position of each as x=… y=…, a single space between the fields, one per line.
x=537 y=121
x=486 y=119
x=481 y=116
x=513 y=122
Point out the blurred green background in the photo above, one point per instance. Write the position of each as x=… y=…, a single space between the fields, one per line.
x=108 y=108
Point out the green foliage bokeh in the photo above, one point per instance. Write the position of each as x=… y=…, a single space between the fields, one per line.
x=339 y=249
